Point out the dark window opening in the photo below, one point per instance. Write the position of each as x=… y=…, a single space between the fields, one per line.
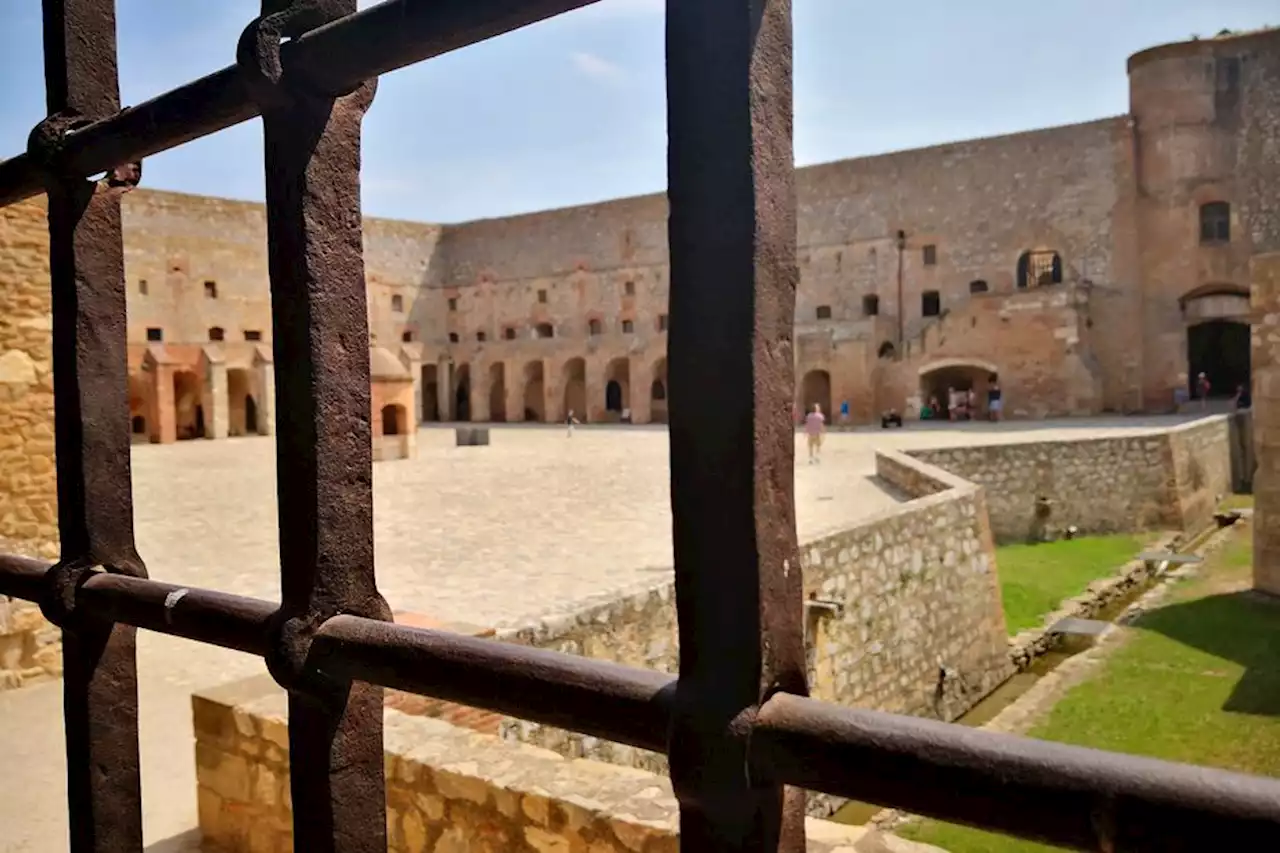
x=217 y=334
x=930 y=303
x=629 y=288
x=397 y=304
x=406 y=337
x=154 y=334
x=930 y=253
x=824 y=312
x=210 y=290
x=657 y=391
x=594 y=328
x=252 y=335
x=542 y=296
x=1215 y=222
x=1038 y=269
x=870 y=305
x=142 y=286
x=886 y=350
x=509 y=333
x=978 y=286
x=453 y=304
x=481 y=336
x=453 y=337
x=545 y=330
x=662 y=322
x=628 y=327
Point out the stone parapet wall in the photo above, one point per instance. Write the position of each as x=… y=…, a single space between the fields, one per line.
x=1167 y=479
x=29 y=646
x=919 y=627
x=448 y=790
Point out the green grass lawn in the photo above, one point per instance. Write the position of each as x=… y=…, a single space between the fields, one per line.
x=1197 y=680
x=1034 y=579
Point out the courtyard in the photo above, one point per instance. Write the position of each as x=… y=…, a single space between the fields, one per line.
x=488 y=536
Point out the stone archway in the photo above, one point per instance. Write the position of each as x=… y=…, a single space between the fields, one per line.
x=497 y=392
x=430 y=394
x=815 y=388
x=240 y=421
x=575 y=388
x=188 y=413
x=394 y=420
x=462 y=394
x=658 y=393
x=939 y=377
x=534 y=399
x=617 y=389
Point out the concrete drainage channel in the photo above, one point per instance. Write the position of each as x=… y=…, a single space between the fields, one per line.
x=1014 y=706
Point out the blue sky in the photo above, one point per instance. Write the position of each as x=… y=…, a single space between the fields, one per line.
x=572 y=110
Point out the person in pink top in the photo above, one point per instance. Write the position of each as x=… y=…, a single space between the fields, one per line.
x=814 y=426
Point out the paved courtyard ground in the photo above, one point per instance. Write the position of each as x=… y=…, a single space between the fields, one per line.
x=489 y=536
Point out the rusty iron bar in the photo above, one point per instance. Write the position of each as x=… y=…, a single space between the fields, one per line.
x=1080 y=798
x=324 y=454
x=1024 y=787
x=91 y=424
x=596 y=698
x=382 y=38
x=732 y=234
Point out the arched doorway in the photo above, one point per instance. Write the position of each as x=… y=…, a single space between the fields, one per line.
x=617 y=389
x=239 y=394
x=462 y=394
x=534 y=398
x=1220 y=350
x=575 y=388
x=393 y=420
x=250 y=415
x=188 y=413
x=430 y=394
x=816 y=388
x=497 y=392
x=658 y=393
x=138 y=425
x=939 y=378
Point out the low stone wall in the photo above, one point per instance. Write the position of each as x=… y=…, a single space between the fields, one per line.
x=918 y=628
x=448 y=790
x=29 y=646
x=1167 y=479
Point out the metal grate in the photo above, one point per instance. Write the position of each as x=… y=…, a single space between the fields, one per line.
x=736 y=723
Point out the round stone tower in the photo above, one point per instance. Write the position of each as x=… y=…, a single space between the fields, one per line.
x=1189 y=104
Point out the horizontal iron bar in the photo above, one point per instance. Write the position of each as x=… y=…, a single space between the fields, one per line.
x=605 y=700
x=336 y=57
x=1066 y=795
x=1081 y=798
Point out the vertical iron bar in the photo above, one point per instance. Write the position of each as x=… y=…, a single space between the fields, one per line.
x=732 y=233
x=324 y=464
x=95 y=501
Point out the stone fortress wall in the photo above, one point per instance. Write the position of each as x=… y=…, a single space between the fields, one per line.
x=1093 y=267
x=30 y=648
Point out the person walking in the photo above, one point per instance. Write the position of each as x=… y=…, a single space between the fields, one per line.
x=844 y=412
x=570 y=422
x=814 y=426
x=995 y=400
x=1202 y=388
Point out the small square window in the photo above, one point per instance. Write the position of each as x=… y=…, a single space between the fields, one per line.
x=154 y=334
x=542 y=296
x=662 y=322
x=824 y=312
x=930 y=253
x=210 y=290
x=142 y=286
x=482 y=337
x=252 y=335
x=216 y=334
x=406 y=337
x=453 y=303
x=397 y=304
x=930 y=303
x=629 y=288
x=509 y=333
x=595 y=328
x=870 y=305
x=453 y=337
x=628 y=327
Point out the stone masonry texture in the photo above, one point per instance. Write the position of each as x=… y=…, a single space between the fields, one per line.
x=30 y=648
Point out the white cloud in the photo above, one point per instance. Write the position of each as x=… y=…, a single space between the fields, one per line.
x=596 y=67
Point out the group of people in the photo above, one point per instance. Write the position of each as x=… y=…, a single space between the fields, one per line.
x=962 y=405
